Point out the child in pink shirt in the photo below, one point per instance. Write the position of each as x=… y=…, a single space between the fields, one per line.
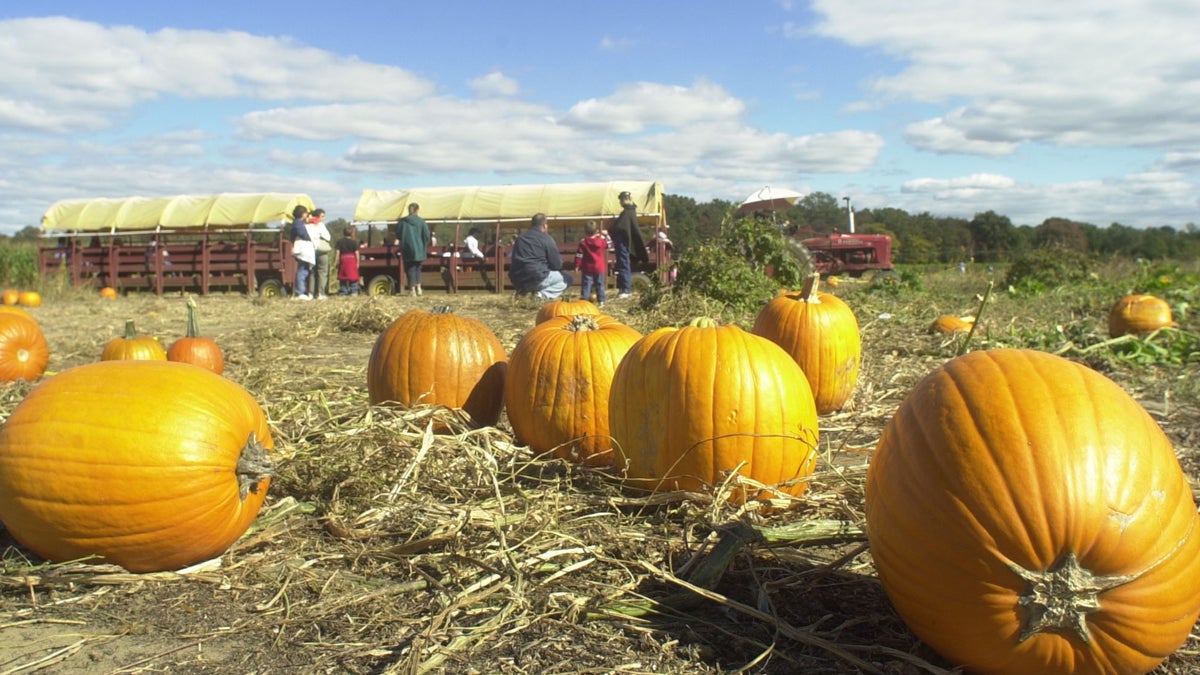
x=591 y=260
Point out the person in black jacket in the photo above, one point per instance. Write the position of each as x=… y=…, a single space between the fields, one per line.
x=627 y=243
x=536 y=263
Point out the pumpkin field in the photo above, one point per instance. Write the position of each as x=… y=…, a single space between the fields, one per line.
x=421 y=539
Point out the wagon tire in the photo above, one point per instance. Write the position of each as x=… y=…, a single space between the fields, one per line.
x=271 y=288
x=381 y=285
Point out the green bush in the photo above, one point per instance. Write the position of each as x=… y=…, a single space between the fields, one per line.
x=1046 y=269
x=18 y=264
x=743 y=269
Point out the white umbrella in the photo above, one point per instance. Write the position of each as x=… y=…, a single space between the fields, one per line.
x=769 y=198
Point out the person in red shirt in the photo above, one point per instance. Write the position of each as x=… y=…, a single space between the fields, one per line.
x=348 y=259
x=591 y=259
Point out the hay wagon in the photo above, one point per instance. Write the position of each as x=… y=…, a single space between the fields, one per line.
x=196 y=243
x=501 y=213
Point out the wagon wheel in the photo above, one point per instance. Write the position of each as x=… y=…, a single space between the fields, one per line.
x=381 y=285
x=271 y=288
x=640 y=282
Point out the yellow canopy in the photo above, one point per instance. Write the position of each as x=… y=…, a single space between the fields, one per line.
x=570 y=202
x=180 y=212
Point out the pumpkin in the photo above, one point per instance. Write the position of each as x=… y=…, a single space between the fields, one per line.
x=133 y=347
x=689 y=406
x=24 y=353
x=1139 y=315
x=30 y=299
x=952 y=324
x=566 y=308
x=821 y=333
x=149 y=465
x=556 y=388
x=108 y=293
x=439 y=358
x=5 y=309
x=11 y=296
x=195 y=349
x=1026 y=515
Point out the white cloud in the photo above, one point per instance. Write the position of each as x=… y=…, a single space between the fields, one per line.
x=73 y=75
x=1108 y=72
x=939 y=135
x=634 y=107
x=495 y=84
x=609 y=43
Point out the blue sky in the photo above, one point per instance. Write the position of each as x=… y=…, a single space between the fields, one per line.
x=1088 y=111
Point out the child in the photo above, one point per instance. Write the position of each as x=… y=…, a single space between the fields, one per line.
x=347 y=250
x=591 y=259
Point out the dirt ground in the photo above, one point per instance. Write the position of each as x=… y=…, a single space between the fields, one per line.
x=386 y=549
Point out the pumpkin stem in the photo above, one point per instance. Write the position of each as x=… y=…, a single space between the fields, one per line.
x=962 y=349
x=582 y=322
x=193 y=326
x=703 y=322
x=130 y=331
x=809 y=292
x=254 y=466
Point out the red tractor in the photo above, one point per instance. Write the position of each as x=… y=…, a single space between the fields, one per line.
x=847 y=254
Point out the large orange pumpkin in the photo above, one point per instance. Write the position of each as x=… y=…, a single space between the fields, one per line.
x=24 y=352
x=689 y=406
x=133 y=347
x=821 y=333
x=566 y=308
x=556 y=389
x=1138 y=315
x=150 y=465
x=1026 y=515
x=194 y=348
x=439 y=358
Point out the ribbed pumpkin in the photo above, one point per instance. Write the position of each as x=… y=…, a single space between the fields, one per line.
x=194 y=348
x=951 y=324
x=439 y=358
x=1138 y=315
x=566 y=308
x=821 y=333
x=30 y=299
x=690 y=405
x=150 y=465
x=1026 y=515
x=24 y=352
x=133 y=347
x=556 y=389
x=6 y=309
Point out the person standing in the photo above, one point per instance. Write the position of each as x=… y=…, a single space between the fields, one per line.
x=415 y=238
x=348 y=258
x=302 y=250
x=592 y=262
x=323 y=243
x=627 y=242
x=536 y=263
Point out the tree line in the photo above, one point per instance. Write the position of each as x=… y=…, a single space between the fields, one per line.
x=925 y=239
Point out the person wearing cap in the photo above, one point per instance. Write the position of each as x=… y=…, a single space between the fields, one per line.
x=536 y=263
x=627 y=243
